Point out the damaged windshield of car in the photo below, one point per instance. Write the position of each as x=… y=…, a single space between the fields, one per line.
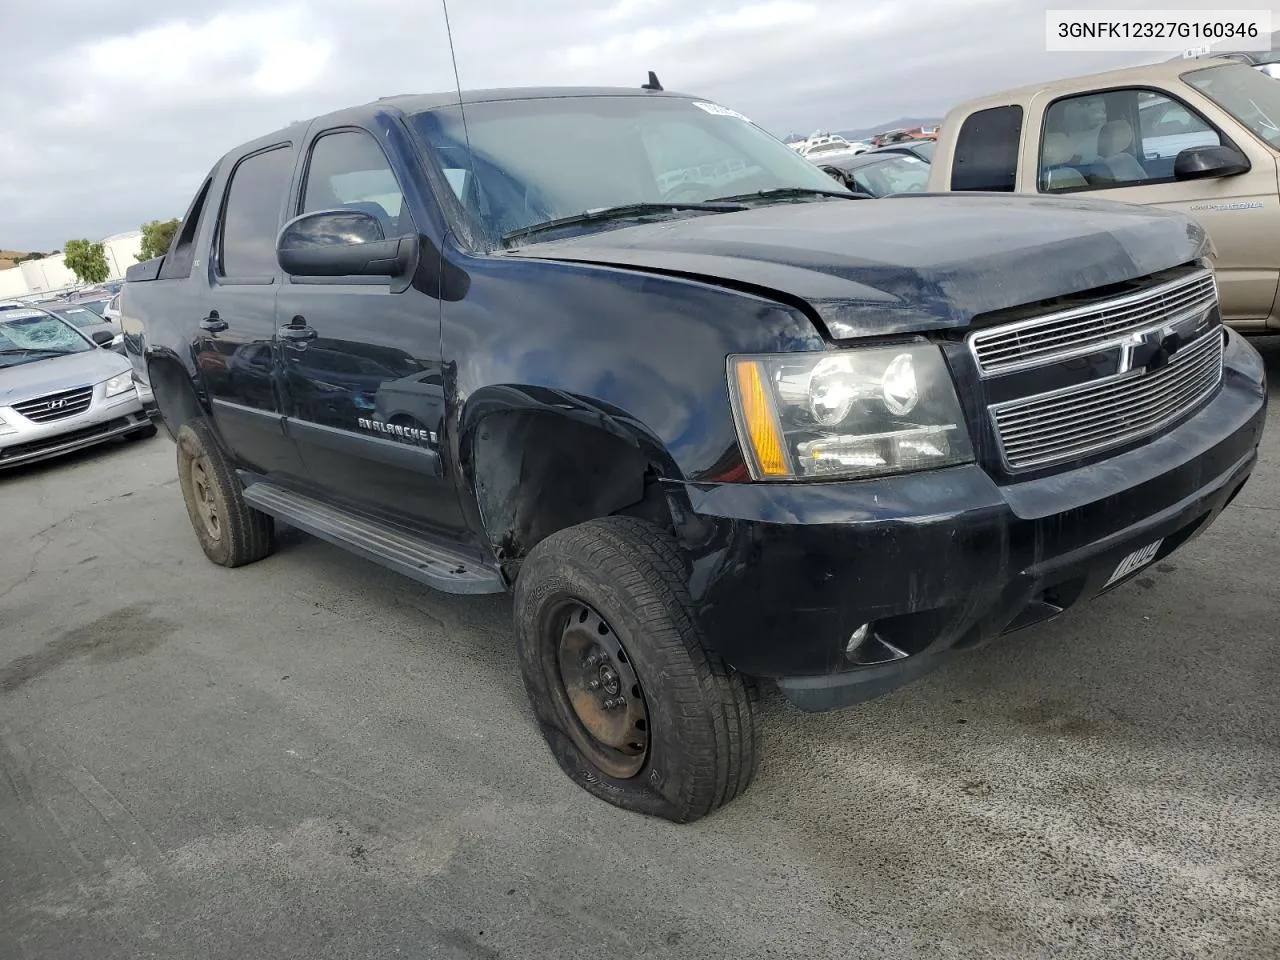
x=1251 y=97
x=538 y=160
x=28 y=336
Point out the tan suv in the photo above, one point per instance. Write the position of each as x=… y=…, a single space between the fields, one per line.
x=1198 y=136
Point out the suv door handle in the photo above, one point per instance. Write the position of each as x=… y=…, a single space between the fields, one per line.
x=213 y=323
x=297 y=329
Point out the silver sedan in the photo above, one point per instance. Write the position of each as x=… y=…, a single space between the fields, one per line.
x=60 y=390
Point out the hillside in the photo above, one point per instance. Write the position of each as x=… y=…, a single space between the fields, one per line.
x=7 y=257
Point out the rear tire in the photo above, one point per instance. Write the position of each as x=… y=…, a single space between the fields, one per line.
x=683 y=740
x=230 y=532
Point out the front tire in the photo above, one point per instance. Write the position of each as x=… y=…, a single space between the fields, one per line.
x=230 y=532
x=635 y=707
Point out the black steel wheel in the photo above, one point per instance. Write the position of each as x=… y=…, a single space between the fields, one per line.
x=606 y=714
x=635 y=707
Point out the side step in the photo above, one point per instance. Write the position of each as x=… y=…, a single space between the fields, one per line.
x=400 y=550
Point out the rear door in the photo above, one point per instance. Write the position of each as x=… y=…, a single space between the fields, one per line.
x=235 y=348
x=361 y=364
x=1123 y=144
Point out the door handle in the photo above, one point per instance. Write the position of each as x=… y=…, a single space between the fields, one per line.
x=297 y=330
x=213 y=323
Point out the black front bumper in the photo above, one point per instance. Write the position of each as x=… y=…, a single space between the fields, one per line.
x=782 y=575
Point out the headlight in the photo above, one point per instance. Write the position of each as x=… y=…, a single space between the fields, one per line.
x=120 y=383
x=858 y=412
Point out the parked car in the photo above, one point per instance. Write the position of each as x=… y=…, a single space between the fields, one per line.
x=1197 y=136
x=729 y=432
x=90 y=324
x=880 y=174
x=59 y=392
x=111 y=312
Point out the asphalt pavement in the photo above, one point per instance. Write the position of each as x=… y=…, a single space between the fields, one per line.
x=312 y=757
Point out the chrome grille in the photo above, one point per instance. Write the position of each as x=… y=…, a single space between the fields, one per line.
x=1041 y=430
x=56 y=406
x=1068 y=333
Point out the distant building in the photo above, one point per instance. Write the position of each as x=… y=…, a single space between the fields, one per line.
x=50 y=274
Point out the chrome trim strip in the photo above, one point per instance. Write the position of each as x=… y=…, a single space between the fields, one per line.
x=1111 y=339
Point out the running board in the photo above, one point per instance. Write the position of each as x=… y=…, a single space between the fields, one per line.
x=392 y=547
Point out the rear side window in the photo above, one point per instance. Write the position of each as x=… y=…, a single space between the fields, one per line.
x=251 y=216
x=177 y=262
x=986 y=155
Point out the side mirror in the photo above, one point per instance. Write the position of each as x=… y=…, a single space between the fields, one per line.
x=1199 y=163
x=343 y=243
x=103 y=338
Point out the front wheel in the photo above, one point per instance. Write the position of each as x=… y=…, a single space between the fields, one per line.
x=635 y=707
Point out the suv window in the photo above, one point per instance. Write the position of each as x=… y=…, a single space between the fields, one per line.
x=1117 y=138
x=986 y=154
x=348 y=169
x=251 y=217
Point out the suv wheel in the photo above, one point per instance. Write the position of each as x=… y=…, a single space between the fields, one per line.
x=634 y=706
x=230 y=532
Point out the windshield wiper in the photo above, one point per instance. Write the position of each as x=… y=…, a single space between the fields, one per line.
x=27 y=351
x=784 y=193
x=619 y=212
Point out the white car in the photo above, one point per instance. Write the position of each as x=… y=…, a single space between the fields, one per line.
x=111 y=312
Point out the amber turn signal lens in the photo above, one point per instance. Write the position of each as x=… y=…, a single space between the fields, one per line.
x=758 y=417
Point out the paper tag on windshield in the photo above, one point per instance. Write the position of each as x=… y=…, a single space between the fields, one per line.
x=719 y=111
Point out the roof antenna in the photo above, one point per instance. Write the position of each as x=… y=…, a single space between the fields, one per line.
x=653 y=83
x=462 y=110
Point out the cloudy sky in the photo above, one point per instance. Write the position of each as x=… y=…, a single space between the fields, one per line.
x=111 y=111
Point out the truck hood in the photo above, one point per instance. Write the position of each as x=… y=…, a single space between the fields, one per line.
x=901 y=264
x=39 y=377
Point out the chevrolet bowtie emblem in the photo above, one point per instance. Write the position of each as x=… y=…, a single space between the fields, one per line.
x=1150 y=351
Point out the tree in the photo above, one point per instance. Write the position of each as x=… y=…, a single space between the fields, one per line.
x=156 y=237
x=86 y=260
x=29 y=256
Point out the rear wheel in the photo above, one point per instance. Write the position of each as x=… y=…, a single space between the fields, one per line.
x=230 y=532
x=635 y=707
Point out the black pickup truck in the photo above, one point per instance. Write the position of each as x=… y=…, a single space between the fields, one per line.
x=710 y=417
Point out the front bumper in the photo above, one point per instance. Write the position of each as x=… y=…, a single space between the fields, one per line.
x=105 y=419
x=782 y=575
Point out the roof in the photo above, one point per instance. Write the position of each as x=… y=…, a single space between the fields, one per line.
x=418 y=102
x=1166 y=70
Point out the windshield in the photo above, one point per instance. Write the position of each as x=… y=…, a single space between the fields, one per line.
x=1250 y=96
x=80 y=316
x=926 y=148
x=546 y=159
x=26 y=336
x=97 y=306
x=897 y=173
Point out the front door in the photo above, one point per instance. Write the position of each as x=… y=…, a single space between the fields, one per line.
x=361 y=365
x=1123 y=143
x=235 y=348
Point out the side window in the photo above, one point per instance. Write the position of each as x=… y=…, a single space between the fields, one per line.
x=986 y=154
x=348 y=169
x=1167 y=127
x=251 y=217
x=1116 y=138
